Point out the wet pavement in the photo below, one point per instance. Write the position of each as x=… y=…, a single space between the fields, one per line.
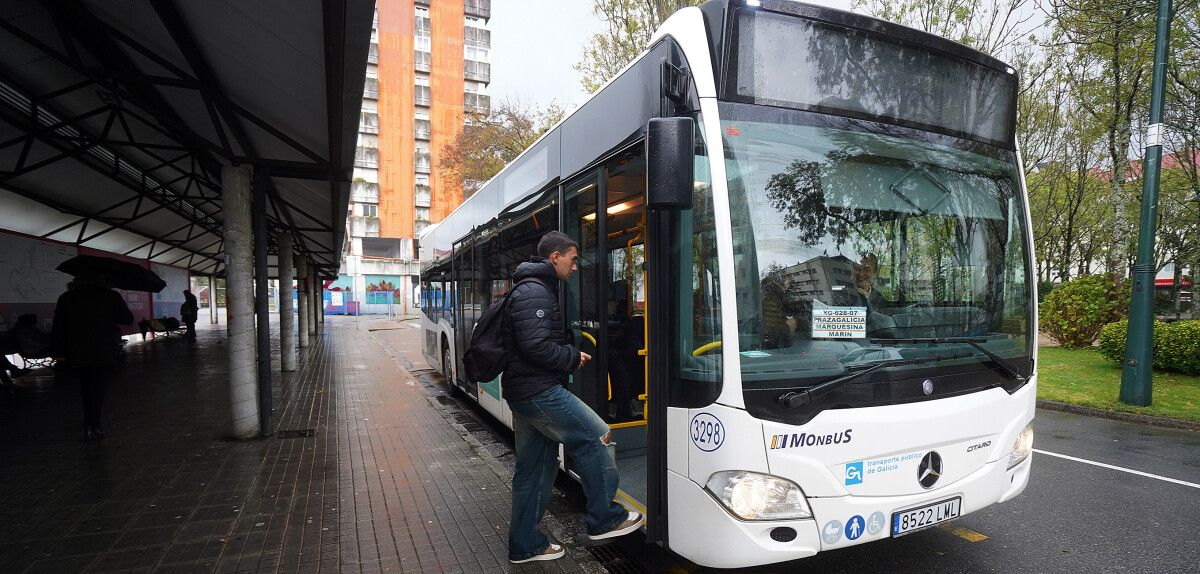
x=368 y=471
x=375 y=469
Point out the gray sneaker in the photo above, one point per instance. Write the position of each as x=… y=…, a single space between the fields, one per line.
x=552 y=552
x=632 y=522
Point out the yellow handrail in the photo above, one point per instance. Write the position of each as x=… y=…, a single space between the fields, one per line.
x=706 y=348
x=589 y=337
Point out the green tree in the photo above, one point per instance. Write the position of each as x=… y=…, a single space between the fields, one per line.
x=630 y=24
x=1182 y=119
x=994 y=27
x=487 y=143
x=1108 y=54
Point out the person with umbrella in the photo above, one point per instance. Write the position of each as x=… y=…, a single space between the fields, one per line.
x=189 y=311
x=86 y=328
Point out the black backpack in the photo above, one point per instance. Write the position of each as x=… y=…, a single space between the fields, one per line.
x=487 y=356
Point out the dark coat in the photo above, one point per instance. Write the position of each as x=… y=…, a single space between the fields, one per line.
x=190 y=310
x=86 y=323
x=533 y=331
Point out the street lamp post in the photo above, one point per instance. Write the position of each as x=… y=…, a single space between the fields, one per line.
x=1136 y=373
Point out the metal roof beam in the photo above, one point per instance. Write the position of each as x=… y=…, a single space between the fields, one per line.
x=110 y=221
x=113 y=171
x=296 y=169
x=34 y=130
x=93 y=33
x=210 y=87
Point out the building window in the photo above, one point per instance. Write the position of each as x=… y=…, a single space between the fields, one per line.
x=373 y=55
x=480 y=8
x=477 y=37
x=421 y=129
x=366 y=157
x=370 y=210
x=423 y=214
x=477 y=71
x=371 y=88
x=477 y=103
x=423 y=95
x=421 y=195
x=364 y=191
x=422 y=60
x=421 y=159
x=368 y=123
x=421 y=31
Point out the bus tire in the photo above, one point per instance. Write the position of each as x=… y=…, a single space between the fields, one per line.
x=451 y=385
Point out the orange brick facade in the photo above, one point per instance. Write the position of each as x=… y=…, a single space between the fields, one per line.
x=446 y=115
x=397 y=78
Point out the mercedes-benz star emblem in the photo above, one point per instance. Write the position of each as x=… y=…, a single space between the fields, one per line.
x=927 y=386
x=930 y=469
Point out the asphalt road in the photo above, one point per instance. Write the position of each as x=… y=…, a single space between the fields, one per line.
x=1074 y=516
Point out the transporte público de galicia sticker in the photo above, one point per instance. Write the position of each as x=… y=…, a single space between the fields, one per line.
x=877 y=466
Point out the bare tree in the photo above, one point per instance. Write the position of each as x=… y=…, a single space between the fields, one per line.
x=993 y=27
x=630 y=25
x=487 y=143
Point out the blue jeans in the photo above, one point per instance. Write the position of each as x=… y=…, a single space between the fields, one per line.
x=541 y=422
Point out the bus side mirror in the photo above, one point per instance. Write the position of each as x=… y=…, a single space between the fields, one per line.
x=670 y=163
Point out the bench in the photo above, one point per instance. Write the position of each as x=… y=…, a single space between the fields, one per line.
x=166 y=325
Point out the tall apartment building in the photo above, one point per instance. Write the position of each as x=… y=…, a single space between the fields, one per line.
x=427 y=69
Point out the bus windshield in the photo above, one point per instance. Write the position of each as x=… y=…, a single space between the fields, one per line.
x=857 y=243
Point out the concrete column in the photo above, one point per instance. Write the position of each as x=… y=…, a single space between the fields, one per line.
x=212 y=299
x=303 y=308
x=287 y=322
x=312 y=299
x=239 y=301
x=320 y=306
x=262 y=303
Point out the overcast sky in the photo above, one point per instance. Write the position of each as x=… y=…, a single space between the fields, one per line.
x=535 y=43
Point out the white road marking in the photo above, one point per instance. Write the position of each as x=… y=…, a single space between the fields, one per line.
x=1120 y=468
x=414 y=325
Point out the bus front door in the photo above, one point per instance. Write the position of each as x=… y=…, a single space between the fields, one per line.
x=605 y=307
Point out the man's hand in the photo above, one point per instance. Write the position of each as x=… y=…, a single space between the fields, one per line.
x=584 y=358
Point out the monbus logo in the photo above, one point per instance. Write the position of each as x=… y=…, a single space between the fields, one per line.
x=795 y=440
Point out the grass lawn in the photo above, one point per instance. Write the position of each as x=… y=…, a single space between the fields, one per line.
x=1084 y=377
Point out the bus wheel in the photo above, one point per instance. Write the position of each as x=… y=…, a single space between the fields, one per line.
x=451 y=386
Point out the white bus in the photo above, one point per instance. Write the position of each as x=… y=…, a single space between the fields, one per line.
x=804 y=277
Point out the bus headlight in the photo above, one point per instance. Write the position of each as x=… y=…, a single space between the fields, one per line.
x=1022 y=447
x=754 y=496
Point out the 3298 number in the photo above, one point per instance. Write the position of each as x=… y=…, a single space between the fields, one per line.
x=707 y=432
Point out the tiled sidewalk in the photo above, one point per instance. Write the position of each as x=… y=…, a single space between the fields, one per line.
x=384 y=483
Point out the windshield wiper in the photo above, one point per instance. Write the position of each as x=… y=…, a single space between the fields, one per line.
x=1000 y=362
x=802 y=396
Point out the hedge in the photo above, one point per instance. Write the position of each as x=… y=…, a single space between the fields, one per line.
x=1176 y=346
x=1074 y=312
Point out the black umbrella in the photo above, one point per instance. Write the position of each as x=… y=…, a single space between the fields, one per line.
x=116 y=273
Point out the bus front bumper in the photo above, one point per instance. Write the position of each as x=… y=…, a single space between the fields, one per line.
x=703 y=531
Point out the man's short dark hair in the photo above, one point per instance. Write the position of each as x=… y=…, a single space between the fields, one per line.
x=555 y=241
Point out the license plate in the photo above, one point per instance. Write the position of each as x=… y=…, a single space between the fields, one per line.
x=922 y=517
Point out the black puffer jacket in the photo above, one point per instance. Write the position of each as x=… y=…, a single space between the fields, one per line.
x=541 y=358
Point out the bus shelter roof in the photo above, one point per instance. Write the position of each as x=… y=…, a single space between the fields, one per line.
x=116 y=118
